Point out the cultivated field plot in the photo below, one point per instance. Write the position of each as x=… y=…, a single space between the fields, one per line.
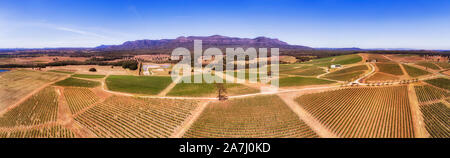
x=79 y=98
x=377 y=77
x=302 y=81
x=16 y=84
x=342 y=60
x=129 y=117
x=406 y=58
x=303 y=71
x=254 y=117
x=440 y=82
x=390 y=68
x=88 y=76
x=45 y=132
x=428 y=93
x=363 y=112
x=150 y=85
x=378 y=58
x=62 y=71
x=84 y=69
x=436 y=117
x=415 y=72
x=444 y=65
x=40 y=108
x=347 y=74
x=74 y=82
x=429 y=65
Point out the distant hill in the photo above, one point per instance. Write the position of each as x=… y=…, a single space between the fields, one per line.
x=208 y=41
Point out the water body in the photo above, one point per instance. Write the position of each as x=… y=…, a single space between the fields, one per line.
x=3 y=71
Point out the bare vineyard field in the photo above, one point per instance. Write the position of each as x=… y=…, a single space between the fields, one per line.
x=444 y=65
x=75 y=82
x=45 y=132
x=428 y=65
x=16 y=84
x=128 y=117
x=79 y=98
x=390 y=68
x=40 y=108
x=440 y=82
x=260 y=117
x=378 y=58
x=363 y=112
x=414 y=72
x=381 y=77
x=428 y=93
x=436 y=117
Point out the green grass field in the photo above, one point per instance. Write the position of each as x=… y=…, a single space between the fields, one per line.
x=88 y=76
x=343 y=60
x=350 y=76
x=347 y=74
x=208 y=89
x=414 y=72
x=302 y=81
x=303 y=71
x=151 y=85
x=73 y=82
x=440 y=82
x=390 y=68
x=428 y=65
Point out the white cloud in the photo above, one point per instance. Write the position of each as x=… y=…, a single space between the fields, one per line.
x=81 y=32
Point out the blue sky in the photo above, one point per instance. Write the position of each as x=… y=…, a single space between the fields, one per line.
x=420 y=24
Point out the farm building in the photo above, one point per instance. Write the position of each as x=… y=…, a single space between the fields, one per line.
x=335 y=66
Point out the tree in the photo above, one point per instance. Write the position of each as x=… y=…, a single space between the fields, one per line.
x=221 y=89
x=93 y=70
x=130 y=64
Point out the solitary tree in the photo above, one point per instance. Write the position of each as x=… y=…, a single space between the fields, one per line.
x=221 y=90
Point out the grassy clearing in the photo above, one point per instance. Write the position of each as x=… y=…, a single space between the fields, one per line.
x=74 y=82
x=414 y=72
x=440 y=82
x=302 y=81
x=390 y=68
x=428 y=65
x=208 y=89
x=88 y=76
x=258 y=117
x=151 y=85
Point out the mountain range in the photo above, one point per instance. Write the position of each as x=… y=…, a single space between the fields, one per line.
x=217 y=41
